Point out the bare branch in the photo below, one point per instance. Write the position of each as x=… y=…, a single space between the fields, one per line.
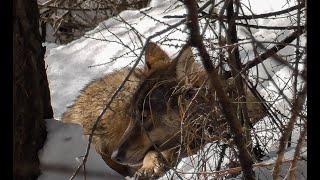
x=297 y=151
x=234 y=123
x=297 y=106
x=272 y=51
x=253 y=16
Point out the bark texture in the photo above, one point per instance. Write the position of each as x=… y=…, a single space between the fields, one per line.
x=31 y=96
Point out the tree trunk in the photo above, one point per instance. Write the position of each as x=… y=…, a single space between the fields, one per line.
x=31 y=100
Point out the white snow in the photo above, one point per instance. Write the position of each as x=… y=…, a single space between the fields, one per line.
x=69 y=70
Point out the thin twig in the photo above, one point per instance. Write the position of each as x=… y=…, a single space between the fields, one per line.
x=297 y=151
x=246 y=160
x=272 y=52
x=253 y=16
x=297 y=107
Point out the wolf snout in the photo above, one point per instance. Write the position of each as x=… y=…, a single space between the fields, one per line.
x=117 y=157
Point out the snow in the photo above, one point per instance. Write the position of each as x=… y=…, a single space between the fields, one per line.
x=68 y=65
x=262 y=172
x=69 y=71
x=63 y=149
x=265 y=6
x=72 y=66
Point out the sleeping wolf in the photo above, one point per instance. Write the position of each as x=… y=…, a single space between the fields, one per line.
x=163 y=107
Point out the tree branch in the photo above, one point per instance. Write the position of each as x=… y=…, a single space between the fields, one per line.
x=253 y=16
x=297 y=106
x=246 y=160
x=272 y=51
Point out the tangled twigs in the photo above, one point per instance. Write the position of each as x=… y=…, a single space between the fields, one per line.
x=296 y=156
x=272 y=52
x=235 y=170
x=246 y=160
x=296 y=109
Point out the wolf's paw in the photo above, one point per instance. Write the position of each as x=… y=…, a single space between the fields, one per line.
x=151 y=167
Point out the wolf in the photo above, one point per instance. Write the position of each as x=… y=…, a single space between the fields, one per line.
x=164 y=112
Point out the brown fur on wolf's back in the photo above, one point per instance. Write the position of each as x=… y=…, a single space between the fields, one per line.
x=89 y=105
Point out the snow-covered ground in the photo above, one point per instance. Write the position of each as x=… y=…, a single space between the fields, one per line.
x=72 y=66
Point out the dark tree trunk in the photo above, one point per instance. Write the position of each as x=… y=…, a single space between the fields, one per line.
x=31 y=98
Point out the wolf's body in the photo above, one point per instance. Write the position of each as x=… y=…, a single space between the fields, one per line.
x=149 y=112
x=90 y=104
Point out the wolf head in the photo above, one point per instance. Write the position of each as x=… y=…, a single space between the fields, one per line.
x=154 y=107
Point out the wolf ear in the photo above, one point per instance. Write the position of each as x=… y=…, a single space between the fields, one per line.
x=185 y=63
x=155 y=56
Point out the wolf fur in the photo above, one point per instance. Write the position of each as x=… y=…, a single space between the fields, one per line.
x=142 y=130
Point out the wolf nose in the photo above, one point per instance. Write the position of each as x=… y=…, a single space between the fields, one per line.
x=116 y=156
